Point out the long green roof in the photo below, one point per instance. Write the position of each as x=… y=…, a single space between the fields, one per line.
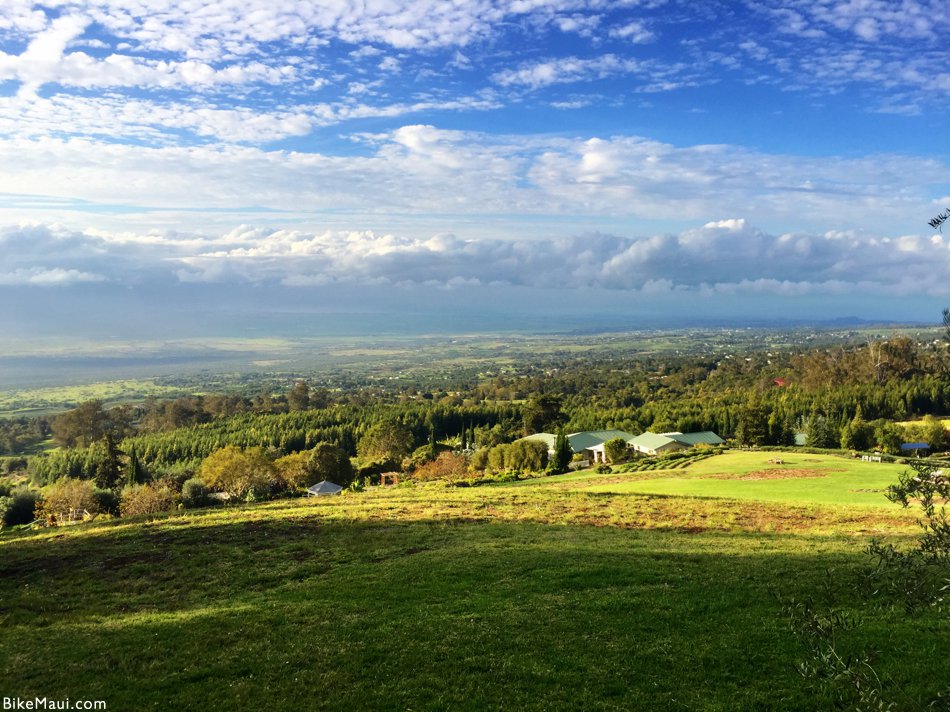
x=593 y=438
x=547 y=438
x=706 y=437
x=654 y=441
x=651 y=441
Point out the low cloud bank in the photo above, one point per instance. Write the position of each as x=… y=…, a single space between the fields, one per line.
x=726 y=257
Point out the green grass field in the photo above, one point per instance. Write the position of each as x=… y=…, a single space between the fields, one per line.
x=547 y=594
x=45 y=401
x=801 y=478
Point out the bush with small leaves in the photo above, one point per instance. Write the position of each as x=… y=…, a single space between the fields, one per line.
x=238 y=472
x=69 y=497
x=195 y=494
x=19 y=507
x=105 y=501
x=146 y=500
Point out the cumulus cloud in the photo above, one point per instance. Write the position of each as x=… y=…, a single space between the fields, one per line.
x=728 y=257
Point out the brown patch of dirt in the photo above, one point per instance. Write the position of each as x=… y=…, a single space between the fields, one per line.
x=791 y=473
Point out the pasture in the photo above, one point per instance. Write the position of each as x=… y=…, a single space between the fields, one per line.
x=800 y=478
x=562 y=593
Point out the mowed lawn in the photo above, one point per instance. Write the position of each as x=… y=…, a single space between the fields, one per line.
x=800 y=478
x=434 y=597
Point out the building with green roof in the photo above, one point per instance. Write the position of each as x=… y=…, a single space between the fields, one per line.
x=659 y=443
x=589 y=443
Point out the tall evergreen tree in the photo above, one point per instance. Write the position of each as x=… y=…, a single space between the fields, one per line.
x=134 y=473
x=562 y=451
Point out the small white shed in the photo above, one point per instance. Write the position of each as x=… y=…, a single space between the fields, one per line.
x=322 y=489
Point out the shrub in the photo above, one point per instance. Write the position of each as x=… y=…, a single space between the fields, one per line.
x=177 y=472
x=19 y=507
x=238 y=472
x=139 y=500
x=291 y=470
x=447 y=466
x=480 y=459
x=521 y=455
x=105 y=501
x=194 y=494
x=69 y=495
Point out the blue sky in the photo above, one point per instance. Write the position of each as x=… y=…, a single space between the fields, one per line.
x=734 y=159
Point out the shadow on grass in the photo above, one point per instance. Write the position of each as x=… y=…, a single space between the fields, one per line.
x=307 y=613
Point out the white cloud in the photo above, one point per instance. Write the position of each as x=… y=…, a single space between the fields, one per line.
x=564 y=70
x=722 y=257
x=39 y=277
x=635 y=31
x=421 y=170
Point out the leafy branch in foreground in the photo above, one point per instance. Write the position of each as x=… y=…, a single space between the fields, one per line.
x=917 y=577
x=845 y=681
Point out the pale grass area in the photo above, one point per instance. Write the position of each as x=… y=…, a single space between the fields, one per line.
x=943 y=420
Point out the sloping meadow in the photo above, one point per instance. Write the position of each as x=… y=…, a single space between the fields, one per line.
x=434 y=597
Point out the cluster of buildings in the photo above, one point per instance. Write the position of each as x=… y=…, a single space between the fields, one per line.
x=590 y=443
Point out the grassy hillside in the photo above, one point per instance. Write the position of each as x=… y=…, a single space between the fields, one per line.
x=538 y=597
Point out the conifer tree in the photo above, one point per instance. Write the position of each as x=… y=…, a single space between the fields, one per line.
x=134 y=468
x=562 y=451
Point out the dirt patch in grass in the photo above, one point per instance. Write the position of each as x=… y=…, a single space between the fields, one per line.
x=784 y=474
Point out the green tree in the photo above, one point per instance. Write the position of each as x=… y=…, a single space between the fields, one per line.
x=616 y=450
x=19 y=507
x=103 y=463
x=195 y=494
x=781 y=429
x=386 y=440
x=292 y=470
x=298 y=397
x=237 y=472
x=753 y=427
x=935 y=434
x=542 y=413
x=857 y=434
x=562 y=451
x=88 y=423
x=480 y=459
x=889 y=437
x=497 y=458
x=329 y=462
x=525 y=456
x=135 y=473
x=819 y=433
